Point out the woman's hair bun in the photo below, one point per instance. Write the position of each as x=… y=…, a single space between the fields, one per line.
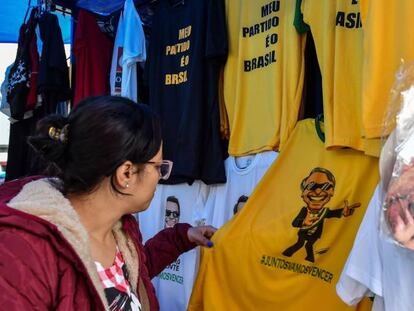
x=51 y=138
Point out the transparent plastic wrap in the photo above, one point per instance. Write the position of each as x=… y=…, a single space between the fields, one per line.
x=397 y=162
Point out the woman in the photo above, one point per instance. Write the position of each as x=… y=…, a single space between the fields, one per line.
x=70 y=243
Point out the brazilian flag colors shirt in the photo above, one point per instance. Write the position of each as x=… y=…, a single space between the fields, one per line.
x=263 y=76
x=337 y=30
x=286 y=248
x=388 y=41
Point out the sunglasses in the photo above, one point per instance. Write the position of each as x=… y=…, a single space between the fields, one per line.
x=313 y=186
x=164 y=168
x=168 y=213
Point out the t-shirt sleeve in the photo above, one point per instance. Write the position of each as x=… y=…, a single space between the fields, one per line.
x=165 y=247
x=134 y=44
x=216 y=31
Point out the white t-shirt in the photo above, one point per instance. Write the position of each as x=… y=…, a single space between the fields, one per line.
x=174 y=284
x=243 y=174
x=377 y=266
x=4 y=105
x=129 y=48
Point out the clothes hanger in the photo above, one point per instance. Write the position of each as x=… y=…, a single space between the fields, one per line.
x=319 y=118
x=27 y=11
x=58 y=8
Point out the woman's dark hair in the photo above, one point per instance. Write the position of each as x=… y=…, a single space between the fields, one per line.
x=328 y=174
x=242 y=199
x=100 y=134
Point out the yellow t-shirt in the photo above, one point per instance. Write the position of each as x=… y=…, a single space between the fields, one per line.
x=388 y=38
x=373 y=146
x=263 y=76
x=287 y=247
x=337 y=31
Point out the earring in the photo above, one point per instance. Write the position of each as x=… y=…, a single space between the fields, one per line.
x=126 y=185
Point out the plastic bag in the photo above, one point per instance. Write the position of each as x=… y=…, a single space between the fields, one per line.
x=397 y=162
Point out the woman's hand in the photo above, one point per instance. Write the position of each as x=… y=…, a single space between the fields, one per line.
x=201 y=235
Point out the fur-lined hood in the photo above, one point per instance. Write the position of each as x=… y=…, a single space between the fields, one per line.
x=40 y=198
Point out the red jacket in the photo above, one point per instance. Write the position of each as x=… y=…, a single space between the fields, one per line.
x=43 y=265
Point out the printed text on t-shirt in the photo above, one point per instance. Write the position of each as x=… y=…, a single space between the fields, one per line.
x=180 y=49
x=271 y=39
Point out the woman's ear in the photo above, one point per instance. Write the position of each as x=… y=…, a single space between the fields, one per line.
x=123 y=175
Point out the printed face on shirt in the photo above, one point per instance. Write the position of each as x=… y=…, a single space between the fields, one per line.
x=172 y=212
x=318 y=190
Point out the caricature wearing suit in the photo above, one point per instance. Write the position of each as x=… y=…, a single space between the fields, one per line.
x=317 y=190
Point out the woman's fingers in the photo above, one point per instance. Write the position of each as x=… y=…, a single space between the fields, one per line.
x=201 y=235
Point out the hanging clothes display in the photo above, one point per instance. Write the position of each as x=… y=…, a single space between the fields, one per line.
x=53 y=77
x=187 y=48
x=92 y=49
x=18 y=86
x=4 y=105
x=376 y=266
x=294 y=233
x=146 y=12
x=173 y=204
x=129 y=48
x=19 y=76
x=385 y=46
x=32 y=98
x=29 y=80
x=243 y=174
x=21 y=159
x=263 y=76
x=362 y=274
x=108 y=24
x=337 y=30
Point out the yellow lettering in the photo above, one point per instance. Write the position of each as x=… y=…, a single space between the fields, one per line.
x=183 y=76
x=188 y=31
x=176 y=78
x=177 y=48
x=167 y=79
x=184 y=32
x=184 y=60
x=181 y=34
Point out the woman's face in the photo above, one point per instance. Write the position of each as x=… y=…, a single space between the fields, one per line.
x=145 y=183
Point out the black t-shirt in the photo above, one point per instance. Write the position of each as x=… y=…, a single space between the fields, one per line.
x=188 y=46
x=53 y=79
